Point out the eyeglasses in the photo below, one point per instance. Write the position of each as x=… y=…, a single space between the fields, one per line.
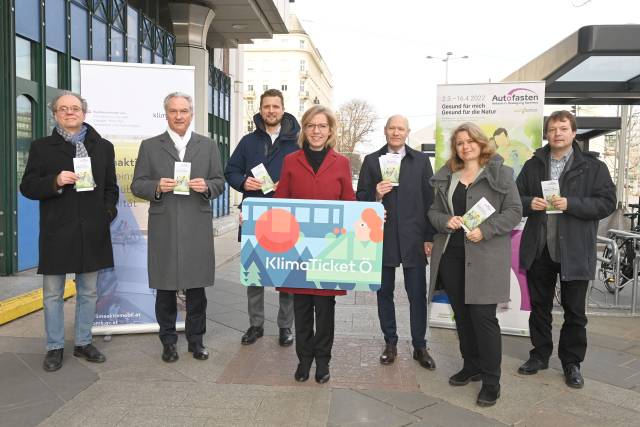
x=312 y=126
x=65 y=110
x=183 y=112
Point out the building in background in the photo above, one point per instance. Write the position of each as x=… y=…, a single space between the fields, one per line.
x=43 y=41
x=288 y=62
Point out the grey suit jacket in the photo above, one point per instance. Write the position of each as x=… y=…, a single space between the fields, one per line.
x=180 y=239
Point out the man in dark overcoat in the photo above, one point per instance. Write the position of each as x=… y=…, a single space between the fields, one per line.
x=180 y=239
x=74 y=225
x=275 y=136
x=408 y=236
x=563 y=243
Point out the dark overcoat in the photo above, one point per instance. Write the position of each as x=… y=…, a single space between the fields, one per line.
x=487 y=263
x=406 y=227
x=591 y=196
x=74 y=226
x=180 y=232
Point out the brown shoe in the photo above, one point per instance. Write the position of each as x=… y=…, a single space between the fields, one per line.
x=389 y=354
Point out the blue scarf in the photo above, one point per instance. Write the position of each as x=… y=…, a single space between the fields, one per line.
x=77 y=139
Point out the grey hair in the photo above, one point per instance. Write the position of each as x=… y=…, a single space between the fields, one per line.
x=54 y=101
x=178 y=95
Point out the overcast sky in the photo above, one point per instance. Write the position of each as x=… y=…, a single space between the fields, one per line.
x=376 y=49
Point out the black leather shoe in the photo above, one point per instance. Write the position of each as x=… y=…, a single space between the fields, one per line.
x=252 y=335
x=389 y=354
x=424 y=359
x=532 y=366
x=463 y=377
x=53 y=360
x=302 y=373
x=286 y=337
x=169 y=353
x=488 y=395
x=322 y=374
x=199 y=351
x=89 y=352
x=572 y=376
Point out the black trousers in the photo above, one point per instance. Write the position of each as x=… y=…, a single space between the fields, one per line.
x=309 y=344
x=477 y=325
x=167 y=311
x=541 y=279
x=415 y=283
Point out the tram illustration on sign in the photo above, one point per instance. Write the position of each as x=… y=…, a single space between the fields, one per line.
x=321 y=244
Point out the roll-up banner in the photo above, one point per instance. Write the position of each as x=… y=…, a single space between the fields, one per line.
x=511 y=115
x=125 y=107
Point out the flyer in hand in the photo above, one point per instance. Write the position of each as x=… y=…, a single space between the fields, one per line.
x=260 y=172
x=182 y=175
x=390 y=167
x=551 y=189
x=82 y=168
x=477 y=215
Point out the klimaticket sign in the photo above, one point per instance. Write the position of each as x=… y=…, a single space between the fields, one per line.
x=317 y=244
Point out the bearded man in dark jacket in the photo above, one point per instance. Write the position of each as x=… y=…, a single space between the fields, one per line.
x=275 y=136
x=561 y=243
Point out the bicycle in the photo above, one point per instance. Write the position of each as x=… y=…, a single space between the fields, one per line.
x=626 y=254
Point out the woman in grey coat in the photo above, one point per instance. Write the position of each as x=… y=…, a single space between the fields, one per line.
x=473 y=267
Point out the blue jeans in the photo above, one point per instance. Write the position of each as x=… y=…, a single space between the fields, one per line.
x=53 y=290
x=415 y=283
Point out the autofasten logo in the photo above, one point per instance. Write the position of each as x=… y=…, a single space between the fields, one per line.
x=519 y=94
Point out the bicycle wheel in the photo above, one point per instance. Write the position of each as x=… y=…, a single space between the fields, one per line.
x=605 y=272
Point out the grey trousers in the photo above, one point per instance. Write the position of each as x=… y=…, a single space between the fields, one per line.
x=255 y=305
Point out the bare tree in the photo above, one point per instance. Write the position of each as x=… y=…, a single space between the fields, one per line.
x=356 y=120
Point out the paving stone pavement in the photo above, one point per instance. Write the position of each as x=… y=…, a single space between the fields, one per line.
x=253 y=385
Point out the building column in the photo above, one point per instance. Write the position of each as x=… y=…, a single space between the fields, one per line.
x=8 y=184
x=191 y=24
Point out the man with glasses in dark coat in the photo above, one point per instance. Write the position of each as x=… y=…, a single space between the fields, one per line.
x=74 y=221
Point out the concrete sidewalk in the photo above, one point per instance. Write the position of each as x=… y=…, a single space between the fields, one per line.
x=254 y=385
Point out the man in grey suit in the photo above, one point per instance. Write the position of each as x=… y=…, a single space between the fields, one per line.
x=181 y=255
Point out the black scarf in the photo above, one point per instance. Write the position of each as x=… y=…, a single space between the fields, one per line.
x=315 y=158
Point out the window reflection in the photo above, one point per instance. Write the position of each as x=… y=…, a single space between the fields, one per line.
x=52 y=68
x=79 y=32
x=117 y=45
x=146 y=55
x=99 y=32
x=56 y=24
x=75 y=76
x=24 y=132
x=23 y=58
x=132 y=35
x=27 y=14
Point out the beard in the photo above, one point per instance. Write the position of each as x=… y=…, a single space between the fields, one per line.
x=272 y=121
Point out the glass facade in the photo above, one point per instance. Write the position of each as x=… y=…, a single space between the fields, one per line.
x=47 y=39
x=219 y=126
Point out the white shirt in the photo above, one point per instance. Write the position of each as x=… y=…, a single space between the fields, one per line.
x=180 y=141
x=275 y=135
x=402 y=151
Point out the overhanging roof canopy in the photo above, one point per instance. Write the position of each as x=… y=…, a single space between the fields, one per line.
x=592 y=127
x=596 y=65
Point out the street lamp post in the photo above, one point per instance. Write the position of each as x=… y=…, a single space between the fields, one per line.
x=448 y=57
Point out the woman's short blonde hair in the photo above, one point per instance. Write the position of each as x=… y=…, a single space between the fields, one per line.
x=455 y=163
x=331 y=118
